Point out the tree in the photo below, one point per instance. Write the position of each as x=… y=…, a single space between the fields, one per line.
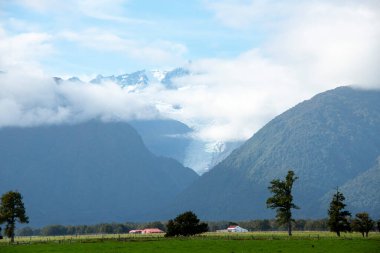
x=54 y=230
x=282 y=200
x=363 y=223
x=12 y=210
x=232 y=223
x=185 y=224
x=338 y=218
x=26 y=231
x=300 y=224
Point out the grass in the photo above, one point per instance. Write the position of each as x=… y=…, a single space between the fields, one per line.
x=210 y=242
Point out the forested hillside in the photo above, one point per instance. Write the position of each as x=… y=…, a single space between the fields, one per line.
x=331 y=140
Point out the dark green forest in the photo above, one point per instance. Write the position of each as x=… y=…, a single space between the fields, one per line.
x=118 y=228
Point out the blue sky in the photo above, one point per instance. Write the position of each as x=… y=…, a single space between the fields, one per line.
x=157 y=25
x=253 y=59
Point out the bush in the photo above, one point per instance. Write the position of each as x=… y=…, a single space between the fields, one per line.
x=185 y=224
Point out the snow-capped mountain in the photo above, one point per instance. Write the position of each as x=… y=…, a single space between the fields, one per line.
x=158 y=135
x=175 y=73
x=141 y=78
x=138 y=78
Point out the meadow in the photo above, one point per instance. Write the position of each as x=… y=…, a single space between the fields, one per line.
x=209 y=242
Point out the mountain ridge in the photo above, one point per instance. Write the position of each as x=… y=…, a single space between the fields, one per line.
x=87 y=173
x=327 y=140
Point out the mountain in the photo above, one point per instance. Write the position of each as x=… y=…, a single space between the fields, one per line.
x=363 y=190
x=173 y=74
x=135 y=78
x=330 y=140
x=87 y=173
x=164 y=137
x=171 y=138
x=201 y=156
x=142 y=78
x=74 y=79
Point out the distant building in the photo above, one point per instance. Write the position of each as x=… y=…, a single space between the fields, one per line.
x=236 y=229
x=135 y=231
x=152 y=231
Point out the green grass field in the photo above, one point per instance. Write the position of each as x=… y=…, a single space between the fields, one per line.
x=211 y=242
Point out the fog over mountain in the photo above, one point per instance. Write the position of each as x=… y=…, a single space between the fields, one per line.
x=331 y=140
x=135 y=99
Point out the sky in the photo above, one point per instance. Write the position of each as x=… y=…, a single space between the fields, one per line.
x=251 y=59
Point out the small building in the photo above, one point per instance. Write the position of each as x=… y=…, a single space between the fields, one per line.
x=135 y=231
x=152 y=231
x=236 y=229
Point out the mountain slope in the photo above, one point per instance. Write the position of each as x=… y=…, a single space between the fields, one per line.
x=328 y=141
x=87 y=173
x=164 y=137
x=363 y=191
x=171 y=138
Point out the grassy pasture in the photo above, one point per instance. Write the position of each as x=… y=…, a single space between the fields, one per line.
x=210 y=242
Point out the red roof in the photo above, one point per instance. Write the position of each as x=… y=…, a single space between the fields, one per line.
x=135 y=231
x=231 y=227
x=152 y=231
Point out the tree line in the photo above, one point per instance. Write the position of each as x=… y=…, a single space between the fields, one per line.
x=339 y=220
x=102 y=228
x=120 y=228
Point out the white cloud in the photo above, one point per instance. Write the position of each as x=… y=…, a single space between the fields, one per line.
x=41 y=5
x=321 y=46
x=29 y=100
x=23 y=50
x=244 y=14
x=315 y=46
x=108 y=10
x=332 y=44
x=231 y=99
x=29 y=96
x=158 y=52
x=107 y=102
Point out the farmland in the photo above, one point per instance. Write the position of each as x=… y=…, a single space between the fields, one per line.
x=209 y=242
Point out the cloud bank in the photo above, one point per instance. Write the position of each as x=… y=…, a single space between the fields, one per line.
x=311 y=47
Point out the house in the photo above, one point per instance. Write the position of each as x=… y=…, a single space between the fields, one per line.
x=152 y=231
x=135 y=231
x=236 y=229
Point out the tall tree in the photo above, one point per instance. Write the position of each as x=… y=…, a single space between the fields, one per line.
x=338 y=217
x=363 y=223
x=185 y=224
x=12 y=210
x=282 y=199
